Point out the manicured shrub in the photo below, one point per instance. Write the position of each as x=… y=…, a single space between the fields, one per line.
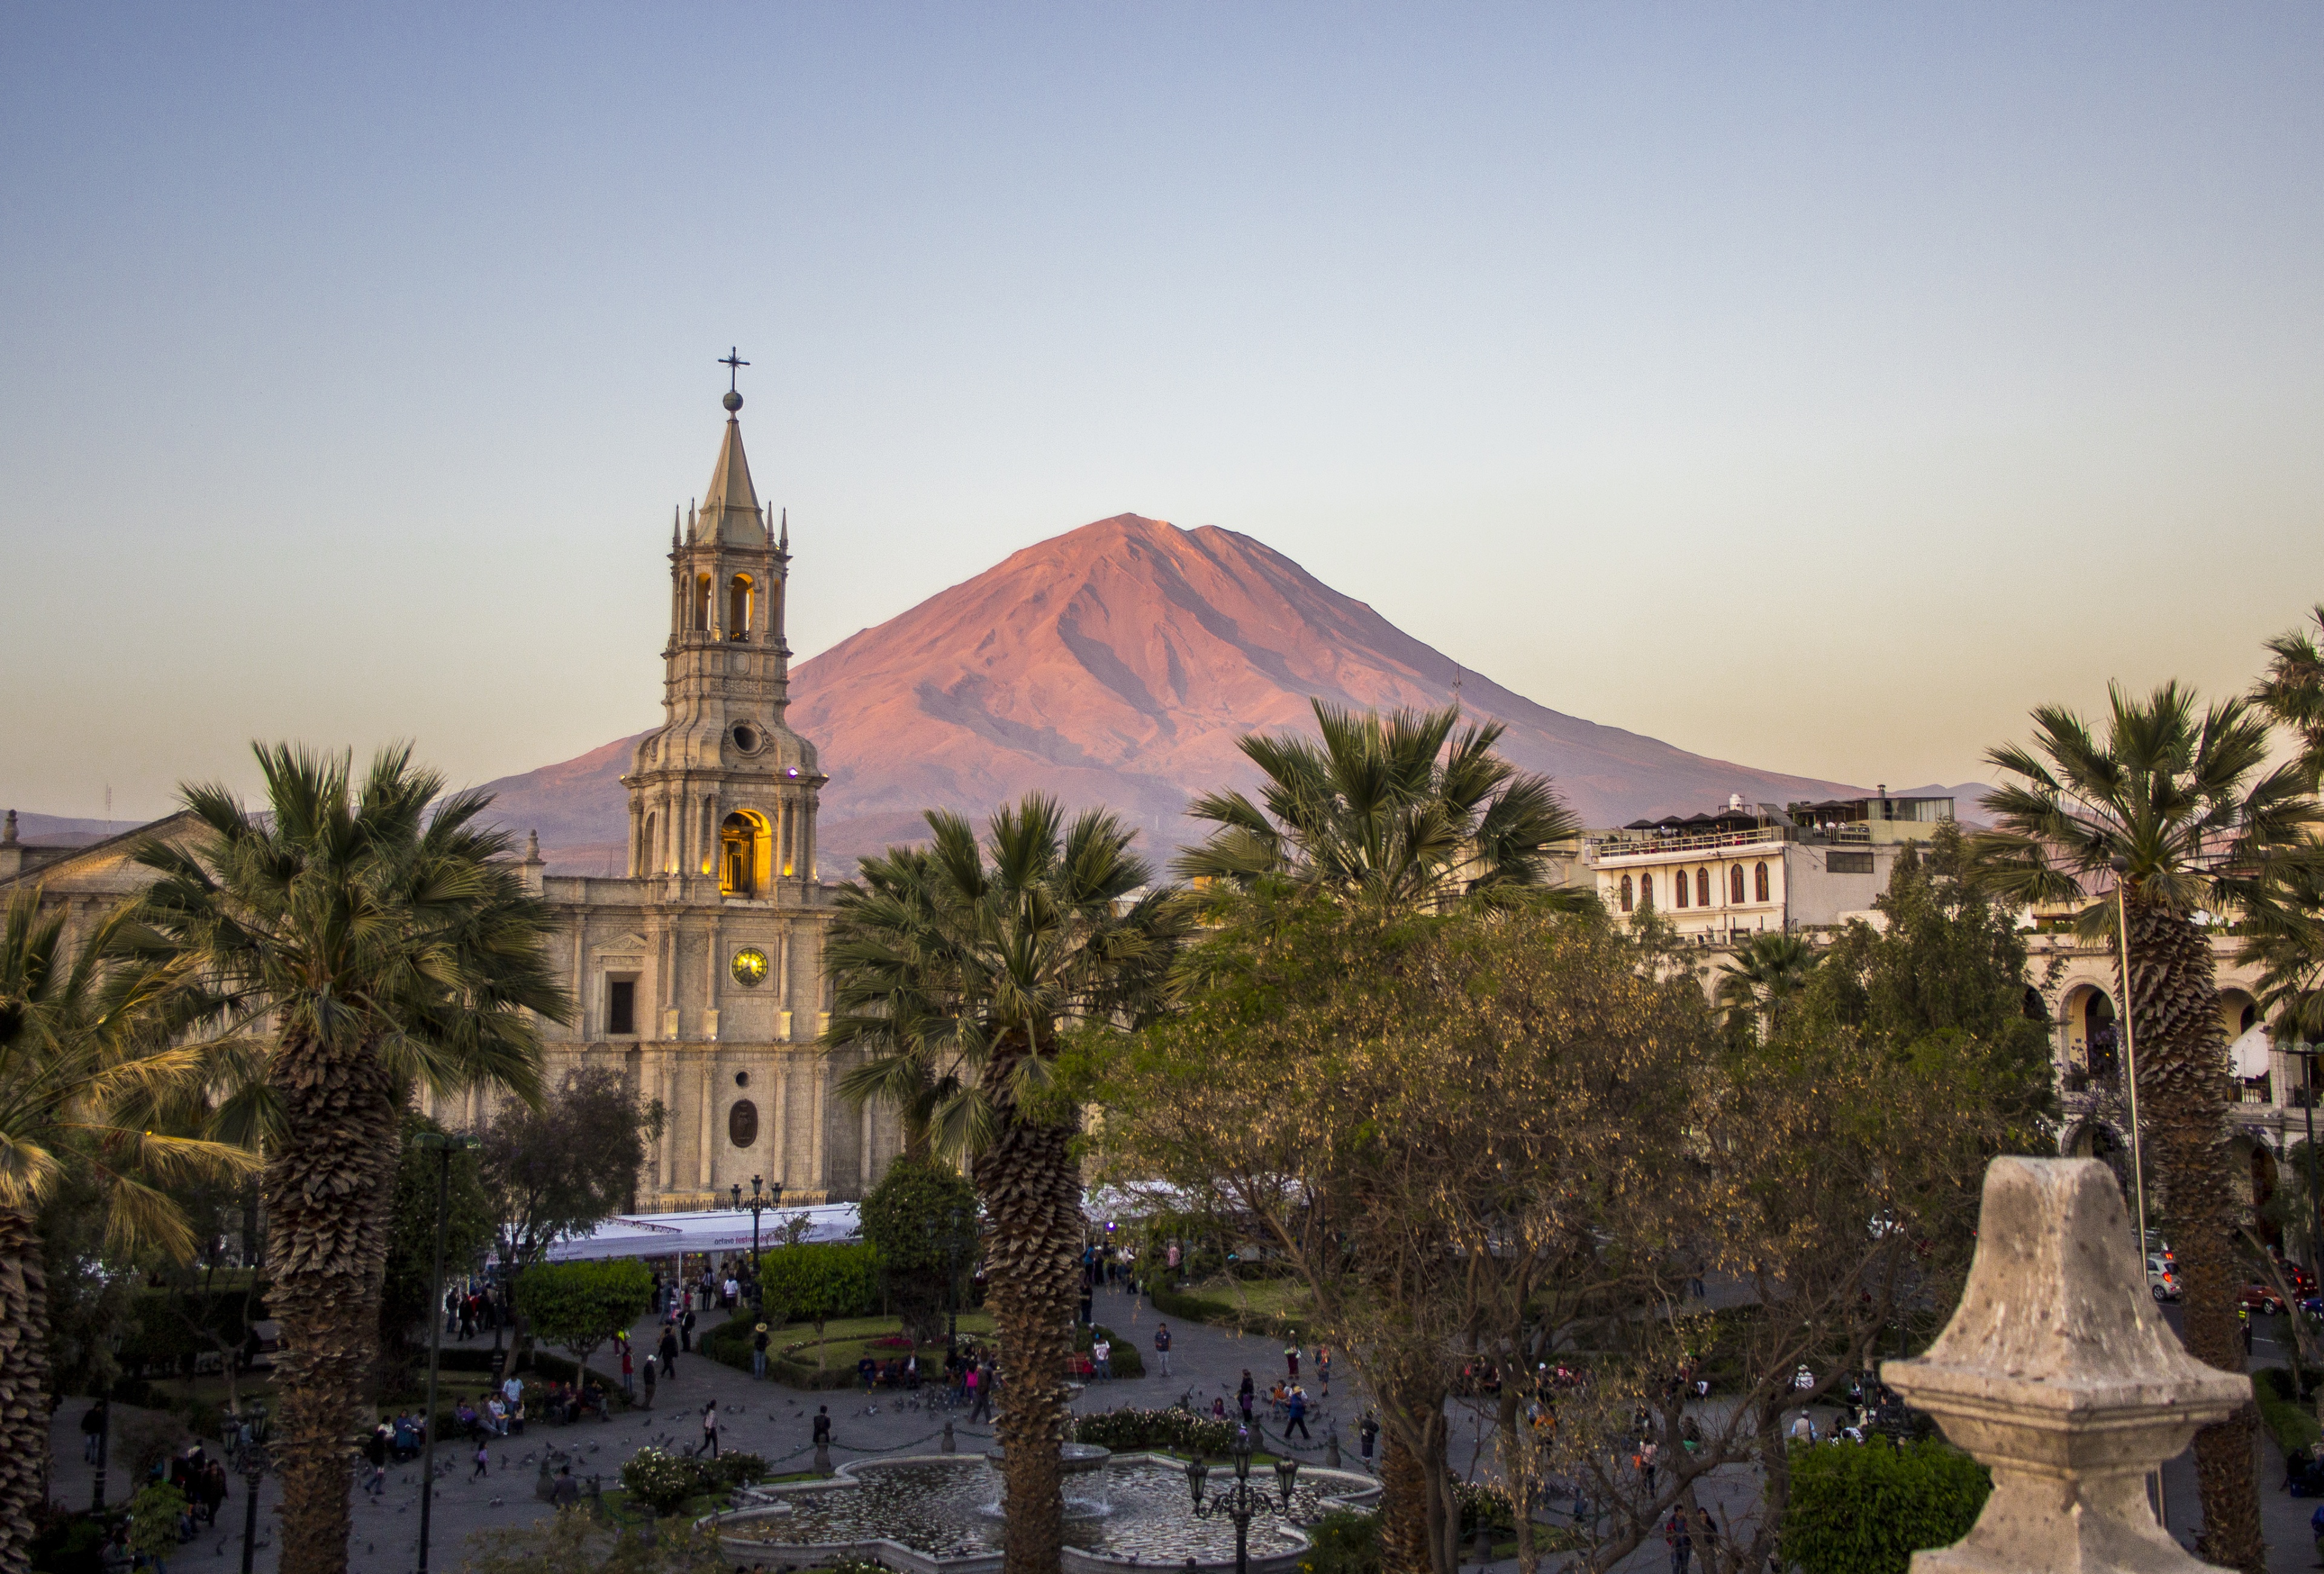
x=1345 y=1541
x=1178 y=1431
x=1866 y=1508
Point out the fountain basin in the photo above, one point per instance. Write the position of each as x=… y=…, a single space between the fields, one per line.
x=921 y=1515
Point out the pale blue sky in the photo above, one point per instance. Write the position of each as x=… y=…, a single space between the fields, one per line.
x=1816 y=387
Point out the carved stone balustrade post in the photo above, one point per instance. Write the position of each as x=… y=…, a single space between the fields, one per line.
x=2058 y=1373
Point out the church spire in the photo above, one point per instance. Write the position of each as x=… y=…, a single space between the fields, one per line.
x=729 y=508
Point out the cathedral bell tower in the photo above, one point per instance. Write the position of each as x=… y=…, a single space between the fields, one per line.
x=723 y=791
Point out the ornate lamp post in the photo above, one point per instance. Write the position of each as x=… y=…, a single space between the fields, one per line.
x=443 y=1144
x=253 y=1461
x=758 y=1204
x=1239 y=1503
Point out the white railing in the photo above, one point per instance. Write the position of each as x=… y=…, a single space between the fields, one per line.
x=1637 y=847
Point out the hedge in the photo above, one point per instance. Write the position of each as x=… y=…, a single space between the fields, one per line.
x=2293 y=1423
x=1221 y=1314
x=1125 y=1358
x=1866 y=1508
x=1177 y=1430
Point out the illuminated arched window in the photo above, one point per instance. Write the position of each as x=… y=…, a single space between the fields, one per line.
x=1645 y=891
x=1759 y=882
x=738 y=607
x=1678 y=884
x=1626 y=894
x=738 y=856
x=1702 y=887
x=701 y=619
x=1735 y=885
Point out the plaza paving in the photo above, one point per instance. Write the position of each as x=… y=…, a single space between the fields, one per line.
x=776 y=1422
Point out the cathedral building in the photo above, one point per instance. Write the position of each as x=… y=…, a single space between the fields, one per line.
x=699 y=973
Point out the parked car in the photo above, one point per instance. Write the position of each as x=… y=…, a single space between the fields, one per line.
x=2162 y=1279
x=2262 y=1298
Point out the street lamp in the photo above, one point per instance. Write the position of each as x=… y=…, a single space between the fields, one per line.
x=757 y=1205
x=2121 y=866
x=251 y=1458
x=443 y=1144
x=1240 y=1502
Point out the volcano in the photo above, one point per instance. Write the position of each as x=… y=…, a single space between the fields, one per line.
x=1118 y=664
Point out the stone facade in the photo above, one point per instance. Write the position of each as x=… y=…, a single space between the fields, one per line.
x=699 y=974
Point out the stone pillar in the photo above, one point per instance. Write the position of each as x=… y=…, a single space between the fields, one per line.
x=708 y=1094
x=2059 y=1375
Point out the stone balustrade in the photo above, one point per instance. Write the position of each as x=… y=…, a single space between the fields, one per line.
x=2059 y=1375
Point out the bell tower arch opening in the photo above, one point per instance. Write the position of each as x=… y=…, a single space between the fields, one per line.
x=744 y=850
x=739 y=590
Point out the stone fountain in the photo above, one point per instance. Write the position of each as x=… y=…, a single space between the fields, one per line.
x=939 y=1514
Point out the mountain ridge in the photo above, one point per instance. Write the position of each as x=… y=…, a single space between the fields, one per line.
x=1118 y=663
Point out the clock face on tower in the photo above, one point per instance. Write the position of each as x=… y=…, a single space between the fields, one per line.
x=749 y=965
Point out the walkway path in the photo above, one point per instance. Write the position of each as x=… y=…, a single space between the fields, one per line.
x=776 y=1422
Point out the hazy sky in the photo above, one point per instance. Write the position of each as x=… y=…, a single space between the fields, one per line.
x=1818 y=387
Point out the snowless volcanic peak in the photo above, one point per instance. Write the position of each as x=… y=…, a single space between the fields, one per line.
x=1119 y=664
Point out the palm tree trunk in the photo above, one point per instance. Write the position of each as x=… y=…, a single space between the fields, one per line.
x=1032 y=1195
x=1404 y=1508
x=24 y=1386
x=329 y=1187
x=2182 y=1080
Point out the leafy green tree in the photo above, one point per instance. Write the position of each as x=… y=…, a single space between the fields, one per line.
x=579 y=1306
x=2185 y=800
x=405 y=1300
x=1006 y=954
x=559 y=1168
x=815 y=1282
x=921 y=1221
x=153 y=1515
x=1400 y=809
x=1465 y=1134
x=83 y=1062
x=1402 y=813
x=356 y=938
x=1868 y=1510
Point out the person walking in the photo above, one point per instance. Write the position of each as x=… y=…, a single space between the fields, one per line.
x=1679 y=1537
x=483 y=1460
x=979 y=1377
x=759 y=1352
x=669 y=1353
x=1244 y=1395
x=629 y=1366
x=710 y=1427
x=1101 y=1358
x=375 y=1454
x=1162 y=1347
x=1367 y=1435
x=649 y=1366
x=1324 y=1369
x=1296 y=1407
x=1291 y=1358
x=686 y=1329
x=92 y=1431
x=823 y=1426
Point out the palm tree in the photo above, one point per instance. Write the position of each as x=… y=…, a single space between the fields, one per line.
x=2180 y=809
x=83 y=1064
x=1399 y=810
x=352 y=942
x=2293 y=690
x=962 y=973
x=1766 y=975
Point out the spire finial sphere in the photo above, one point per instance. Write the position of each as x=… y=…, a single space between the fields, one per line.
x=734 y=362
